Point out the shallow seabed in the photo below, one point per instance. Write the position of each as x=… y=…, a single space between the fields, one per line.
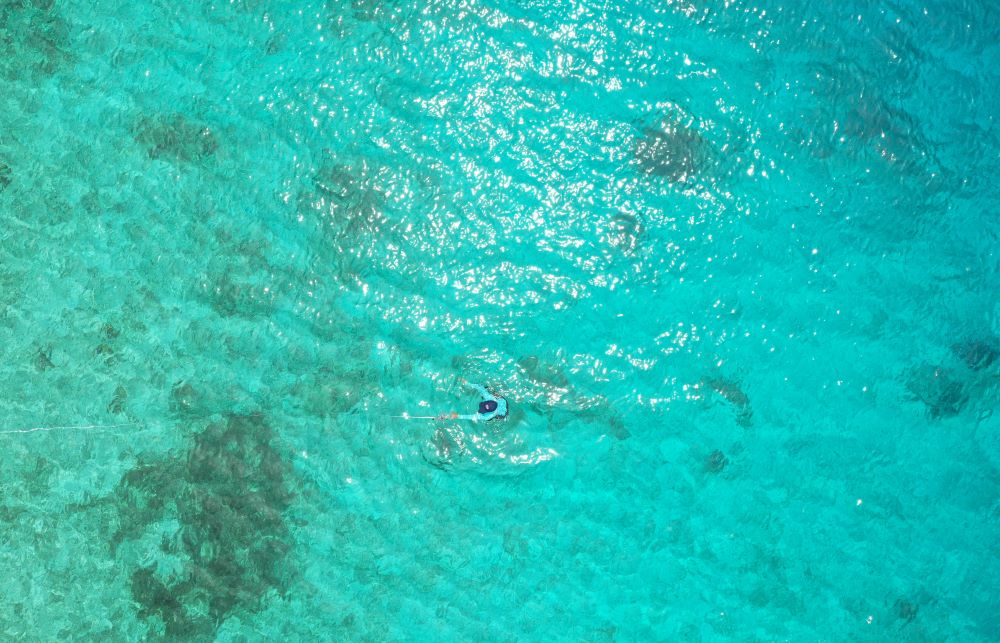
x=734 y=266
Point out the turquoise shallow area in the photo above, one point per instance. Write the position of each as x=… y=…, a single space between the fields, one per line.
x=734 y=267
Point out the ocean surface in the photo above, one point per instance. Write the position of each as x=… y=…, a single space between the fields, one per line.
x=735 y=267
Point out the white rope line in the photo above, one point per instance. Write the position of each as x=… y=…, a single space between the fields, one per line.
x=99 y=427
x=77 y=427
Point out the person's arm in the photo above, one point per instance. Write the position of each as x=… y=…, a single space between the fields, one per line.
x=481 y=390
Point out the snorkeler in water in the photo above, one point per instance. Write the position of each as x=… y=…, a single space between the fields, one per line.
x=493 y=407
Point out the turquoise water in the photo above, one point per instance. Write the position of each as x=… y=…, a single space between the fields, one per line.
x=734 y=267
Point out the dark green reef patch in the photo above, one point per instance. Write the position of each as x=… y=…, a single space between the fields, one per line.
x=349 y=199
x=6 y=176
x=675 y=151
x=977 y=354
x=208 y=528
x=174 y=137
x=732 y=392
x=34 y=39
x=939 y=388
x=716 y=462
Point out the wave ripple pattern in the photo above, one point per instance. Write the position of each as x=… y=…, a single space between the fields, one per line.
x=734 y=267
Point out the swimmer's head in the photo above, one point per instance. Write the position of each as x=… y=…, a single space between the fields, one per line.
x=487 y=406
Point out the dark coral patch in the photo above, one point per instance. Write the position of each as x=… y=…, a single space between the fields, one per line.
x=44 y=43
x=716 y=462
x=117 y=403
x=43 y=359
x=939 y=390
x=6 y=176
x=543 y=372
x=229 y=495
x=175 y=138
x=625 y=232
x=732 y=392
x=675 y=152
x=349 y=199
x=905 y=610
x=977 y=354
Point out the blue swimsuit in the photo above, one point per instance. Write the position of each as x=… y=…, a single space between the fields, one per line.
x=499 y=413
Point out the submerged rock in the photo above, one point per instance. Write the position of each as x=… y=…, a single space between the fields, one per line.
x=905 y=610
x=977 y=354
x=175 y=138
x=228 y=496
x=117 y=403
x=43 y=38
x=543 y=372
x=675 y=152
x=716 y=462
x=351 y=209
x=941 y=392
x=624 y=232
x=6 y=176
x=731 y=391
x=43 y=359
x=350 y=196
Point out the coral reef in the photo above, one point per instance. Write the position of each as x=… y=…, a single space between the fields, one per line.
x=353 y=204
x=45 y=44
x=716 y=462
x=543 y=372
x=228 y=496
x=6 y=176
x=625 y=232
x=173 y=137
x=938 y=388
x=905 y=610
x=732 y=392
x=977 y=354
x=348 y=205
x=117 y=403
x=43 y=359
x=675 y=152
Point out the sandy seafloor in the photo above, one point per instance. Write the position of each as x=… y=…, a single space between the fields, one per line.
x=733 y=265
